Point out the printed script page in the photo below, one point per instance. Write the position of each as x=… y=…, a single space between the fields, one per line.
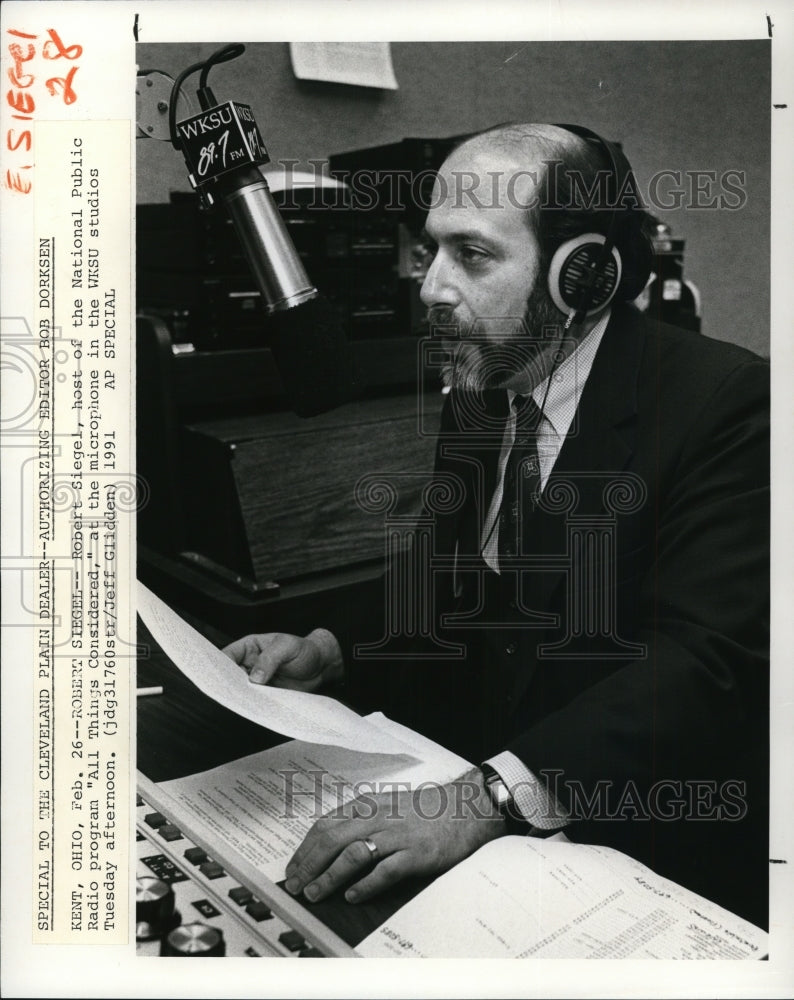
x=520 y=897
x=263 y=805
x=311 y=717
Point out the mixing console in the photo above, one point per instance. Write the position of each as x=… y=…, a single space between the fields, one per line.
x=198 y=900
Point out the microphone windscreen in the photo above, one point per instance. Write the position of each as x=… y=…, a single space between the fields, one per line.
x=313 y=357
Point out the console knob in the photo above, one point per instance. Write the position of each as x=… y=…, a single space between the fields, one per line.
x=154 y=907
x=194 y=941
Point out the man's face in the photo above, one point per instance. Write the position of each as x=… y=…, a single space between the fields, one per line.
x=485 y=277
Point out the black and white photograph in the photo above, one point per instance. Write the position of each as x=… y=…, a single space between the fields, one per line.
x=436 y=608
x=516 y=360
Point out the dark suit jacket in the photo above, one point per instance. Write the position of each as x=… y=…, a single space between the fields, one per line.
x=643 y=693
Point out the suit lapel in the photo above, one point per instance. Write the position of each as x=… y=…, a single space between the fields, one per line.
x=600 y=443
x=603 y=434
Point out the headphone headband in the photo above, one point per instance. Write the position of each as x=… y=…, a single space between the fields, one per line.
x=608 y=149
x=585 y=274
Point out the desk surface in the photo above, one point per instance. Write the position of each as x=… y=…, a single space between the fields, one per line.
x=183 y=732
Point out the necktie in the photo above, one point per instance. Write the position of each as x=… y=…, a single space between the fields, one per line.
x=522 y=479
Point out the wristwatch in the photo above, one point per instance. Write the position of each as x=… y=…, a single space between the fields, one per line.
x=503 y=801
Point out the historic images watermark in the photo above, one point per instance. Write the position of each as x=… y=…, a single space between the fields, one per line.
x=315 y=793
x=396 y=190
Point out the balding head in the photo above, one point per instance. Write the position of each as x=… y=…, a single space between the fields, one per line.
x=566 y=185
x=527 y=142
x=506 y=166
x=525 y=165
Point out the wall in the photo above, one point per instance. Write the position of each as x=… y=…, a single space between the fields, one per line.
x=674 y=105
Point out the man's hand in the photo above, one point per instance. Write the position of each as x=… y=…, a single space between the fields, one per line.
x=421 y=832
x=289 y=661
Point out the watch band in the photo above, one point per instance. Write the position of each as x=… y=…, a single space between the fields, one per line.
x=503 y=801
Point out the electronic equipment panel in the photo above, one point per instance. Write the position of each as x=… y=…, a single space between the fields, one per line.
x=195 y=899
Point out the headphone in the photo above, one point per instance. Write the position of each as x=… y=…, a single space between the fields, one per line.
x=586 y=271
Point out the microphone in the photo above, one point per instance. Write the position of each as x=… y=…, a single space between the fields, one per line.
x=309 y=343
x=223 y=149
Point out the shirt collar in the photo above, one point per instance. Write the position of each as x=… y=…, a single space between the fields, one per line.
x=568 y=381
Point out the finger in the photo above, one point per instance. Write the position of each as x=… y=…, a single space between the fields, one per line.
x=354 y=859
x=299 y=661
x=352 y=819
x=238 y=650
x=263 y=655
x=254 y=653
x=265 y=665
x=277 y=651
x=321 y=846
x=385 y=874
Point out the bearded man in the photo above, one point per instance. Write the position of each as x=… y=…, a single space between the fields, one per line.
x=605 y=570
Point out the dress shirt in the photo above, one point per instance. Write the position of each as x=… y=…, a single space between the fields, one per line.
x=558 y=408
x=558 y=399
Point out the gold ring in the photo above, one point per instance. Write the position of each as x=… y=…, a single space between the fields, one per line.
x=372 y=847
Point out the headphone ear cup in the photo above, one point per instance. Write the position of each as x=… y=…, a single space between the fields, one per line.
x=572 y=284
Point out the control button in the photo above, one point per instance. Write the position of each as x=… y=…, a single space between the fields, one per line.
x=170 y=832
x=292 y=940
x=164 y=868
x=194 y=941
x=510 y=648
x=154 y=907
x=258 y=910
x=205 y=908
x=240 y=895
x=252 y=952
x=212 y=869
x=154 y=819
x=310 y=953
x=196 y=855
